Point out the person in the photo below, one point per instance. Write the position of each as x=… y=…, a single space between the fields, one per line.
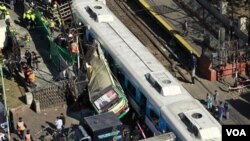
x=21 y=126
x=27 y=15
x=226 y=107
x=3 y=9
x=31 y=77
x=48 y=137
x=63 y=119
x=52 y=26
x=74 y=48
x=27 y=38
x=3 y=137
x=193 y=66
x=185 y=28
x=209 y=101
x=221 y=111
x=28 y=57
x=28 y=136
x=34 y=60
x=216 y=98
x=58 y=124
x=25 y=70
x=32 y=20
x=44 y=20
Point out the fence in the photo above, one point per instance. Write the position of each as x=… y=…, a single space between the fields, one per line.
x=59 y=55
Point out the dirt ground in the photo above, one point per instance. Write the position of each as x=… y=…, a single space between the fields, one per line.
x=14 y=92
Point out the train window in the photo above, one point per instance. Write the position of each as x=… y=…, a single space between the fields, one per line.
x=90 y=39
x=109 y=59
x=120 y=76
x=143 y=102
x=131 y=89
x=154 y=117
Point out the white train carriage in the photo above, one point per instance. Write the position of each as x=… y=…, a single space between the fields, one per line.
x=152 y=91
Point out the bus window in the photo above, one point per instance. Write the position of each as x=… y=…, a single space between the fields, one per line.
x=131 y=89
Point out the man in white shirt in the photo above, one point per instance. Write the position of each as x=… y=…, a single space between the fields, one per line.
x=2 y=137
x=58 y=123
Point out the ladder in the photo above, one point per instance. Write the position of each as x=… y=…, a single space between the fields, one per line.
x=63 y=12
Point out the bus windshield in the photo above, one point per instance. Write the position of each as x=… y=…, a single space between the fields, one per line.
x=105 y=99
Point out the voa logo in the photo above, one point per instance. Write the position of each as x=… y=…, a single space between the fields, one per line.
x=236 y=132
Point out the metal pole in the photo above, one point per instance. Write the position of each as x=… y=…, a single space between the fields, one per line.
x=78 y=52
x=5 y=104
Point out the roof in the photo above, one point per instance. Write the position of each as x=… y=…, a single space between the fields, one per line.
x=100 y=78
x=164 y=137
x=102 y=121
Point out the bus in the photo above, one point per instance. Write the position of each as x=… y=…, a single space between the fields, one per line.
x=105 y=92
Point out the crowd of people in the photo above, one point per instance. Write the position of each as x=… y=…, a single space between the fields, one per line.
x=220 y=108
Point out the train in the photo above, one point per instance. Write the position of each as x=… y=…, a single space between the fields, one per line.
x=156 y=95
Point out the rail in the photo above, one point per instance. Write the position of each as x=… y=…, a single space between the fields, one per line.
x=169 y=28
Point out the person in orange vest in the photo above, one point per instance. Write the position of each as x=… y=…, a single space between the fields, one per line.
x=28 y=137
x=73 y=48
x=31 y=77
x=21 y=126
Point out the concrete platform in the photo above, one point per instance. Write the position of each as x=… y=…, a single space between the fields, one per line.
x=171 y=16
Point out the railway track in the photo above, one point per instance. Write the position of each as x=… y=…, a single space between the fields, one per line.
x=156 y=43
x=141 y=32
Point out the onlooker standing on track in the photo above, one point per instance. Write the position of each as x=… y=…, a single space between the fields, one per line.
x=221 y=111
x=185 y=28
x=209 y=101
x=216 y=98
x=226 y=107
x=193 y=66
x=21 y=126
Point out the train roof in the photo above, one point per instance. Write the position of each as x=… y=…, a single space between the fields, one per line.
x=147 y=73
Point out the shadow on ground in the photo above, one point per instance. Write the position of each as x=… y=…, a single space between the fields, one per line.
x=238 y=105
